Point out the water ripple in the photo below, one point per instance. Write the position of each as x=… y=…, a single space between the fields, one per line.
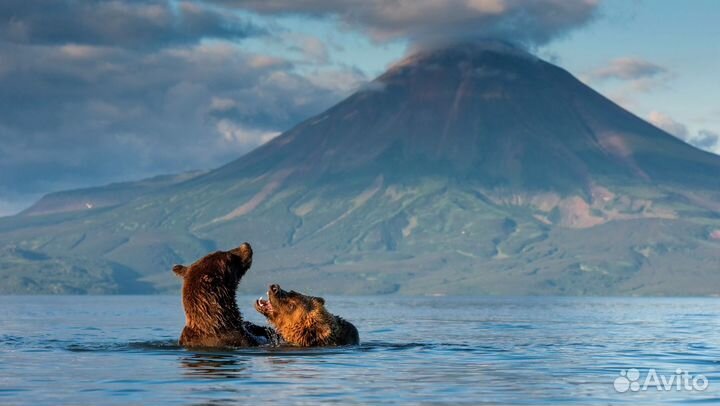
x=95 y=350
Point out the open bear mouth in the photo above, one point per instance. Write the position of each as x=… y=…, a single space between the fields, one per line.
x=264 y=306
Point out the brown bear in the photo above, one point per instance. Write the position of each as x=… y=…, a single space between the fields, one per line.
x=303 y=320
x=212 y=318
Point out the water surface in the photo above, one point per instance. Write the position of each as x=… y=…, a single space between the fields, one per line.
x=122 y=350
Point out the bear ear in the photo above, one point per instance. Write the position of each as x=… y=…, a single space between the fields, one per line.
x=319 y=300
x=180 y=270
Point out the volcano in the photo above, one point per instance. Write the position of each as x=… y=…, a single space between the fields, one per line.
x=472 y=169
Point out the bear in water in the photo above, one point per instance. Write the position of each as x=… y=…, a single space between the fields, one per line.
x=212 y=318
x=303 y=320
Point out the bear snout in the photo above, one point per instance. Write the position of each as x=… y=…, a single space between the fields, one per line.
x=245 y=252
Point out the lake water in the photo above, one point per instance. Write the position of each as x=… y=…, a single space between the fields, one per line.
x=122 y=350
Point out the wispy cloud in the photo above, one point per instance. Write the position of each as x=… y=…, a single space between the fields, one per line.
x=431 y=21
x=667 y=124
x=708 y=140
x=627 y=69
x=703 y=139
x=235 y=133
x=623 y=79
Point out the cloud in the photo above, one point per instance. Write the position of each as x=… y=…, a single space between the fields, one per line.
x=624 y=78
x=234 y=133
x=339 y=79
x=707 y=139
x=431 y=21
x=311 y=48
x=667 y=124
x=136 y=24
x=70 y=120
x=627 y=69
x=103 y=91
x=704 y=139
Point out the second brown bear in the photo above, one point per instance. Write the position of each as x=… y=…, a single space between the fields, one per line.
x=303 y=320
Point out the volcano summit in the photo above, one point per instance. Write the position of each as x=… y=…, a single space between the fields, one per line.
x=473 y=169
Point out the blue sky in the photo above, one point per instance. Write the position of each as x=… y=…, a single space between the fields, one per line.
x=106 y=91
x=680 y=37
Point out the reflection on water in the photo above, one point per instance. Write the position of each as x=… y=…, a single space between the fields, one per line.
x=111 y=350
x=214 y=366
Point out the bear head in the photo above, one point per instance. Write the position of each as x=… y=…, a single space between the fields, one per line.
x=209 y=287
x=299 y=319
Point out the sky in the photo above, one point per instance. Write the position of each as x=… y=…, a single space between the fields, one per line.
x=101 y=91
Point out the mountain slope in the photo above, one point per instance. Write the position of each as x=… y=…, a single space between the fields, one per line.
x=103 y=196
x=475 y=169
x=496 y=115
